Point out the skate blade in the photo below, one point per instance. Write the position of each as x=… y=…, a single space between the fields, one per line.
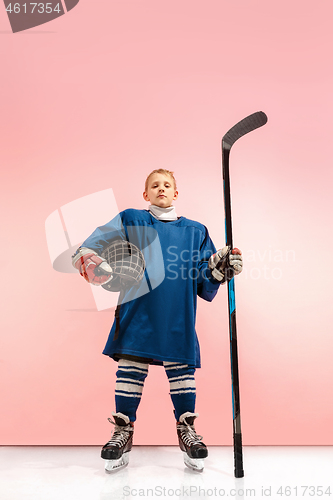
x=114 y=465
x=196 y=464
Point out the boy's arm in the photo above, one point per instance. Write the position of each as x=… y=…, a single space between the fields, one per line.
x=207 y=285
x=87 y=258
x=104 y=235
x=213 y=269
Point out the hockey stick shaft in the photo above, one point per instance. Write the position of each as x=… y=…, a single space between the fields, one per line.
x=237 y=433
x=243 y=127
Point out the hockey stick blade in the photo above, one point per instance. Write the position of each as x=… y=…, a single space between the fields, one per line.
x=243 y=127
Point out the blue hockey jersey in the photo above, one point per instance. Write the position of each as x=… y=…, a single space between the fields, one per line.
x=157 y=317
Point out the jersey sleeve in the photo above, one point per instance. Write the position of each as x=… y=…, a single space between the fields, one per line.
x=104 y=235
x=207 y=285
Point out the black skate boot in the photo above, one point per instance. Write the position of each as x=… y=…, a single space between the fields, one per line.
x=194 y=450
x=116 y=451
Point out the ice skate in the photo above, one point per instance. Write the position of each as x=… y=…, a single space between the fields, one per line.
x=194 y=450
x=116 y=451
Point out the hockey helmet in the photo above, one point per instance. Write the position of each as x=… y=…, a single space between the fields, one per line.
x=127 y=263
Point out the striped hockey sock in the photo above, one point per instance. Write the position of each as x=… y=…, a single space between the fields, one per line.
x=129 y=385
x=182 y=387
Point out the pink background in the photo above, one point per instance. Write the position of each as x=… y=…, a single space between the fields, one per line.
x=97 y=99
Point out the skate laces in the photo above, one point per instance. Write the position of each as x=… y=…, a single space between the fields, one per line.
x=120 y=434
x=188 y=434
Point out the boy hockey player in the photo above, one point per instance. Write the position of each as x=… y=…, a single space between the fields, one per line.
x=155 y=319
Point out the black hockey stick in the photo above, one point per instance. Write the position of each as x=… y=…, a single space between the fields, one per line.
x=243 y=127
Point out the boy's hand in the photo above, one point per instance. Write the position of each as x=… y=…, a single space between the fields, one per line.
x=217 y=263
x=92 y=267
x=222 y=260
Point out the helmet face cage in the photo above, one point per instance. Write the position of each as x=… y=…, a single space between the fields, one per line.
x=127 y=263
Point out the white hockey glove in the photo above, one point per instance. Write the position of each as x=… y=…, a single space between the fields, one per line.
x=92 y=267
x=222 y=260
x=236 y=260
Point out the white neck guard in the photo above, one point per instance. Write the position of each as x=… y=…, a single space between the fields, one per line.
x=168 y=213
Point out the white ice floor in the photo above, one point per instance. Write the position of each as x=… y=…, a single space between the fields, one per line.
x=77 y=473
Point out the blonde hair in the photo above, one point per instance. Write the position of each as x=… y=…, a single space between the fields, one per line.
x=161 y=171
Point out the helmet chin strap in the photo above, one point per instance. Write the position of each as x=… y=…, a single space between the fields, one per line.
x=168 y=213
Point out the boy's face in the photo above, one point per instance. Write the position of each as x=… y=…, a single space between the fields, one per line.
x=161 y=190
